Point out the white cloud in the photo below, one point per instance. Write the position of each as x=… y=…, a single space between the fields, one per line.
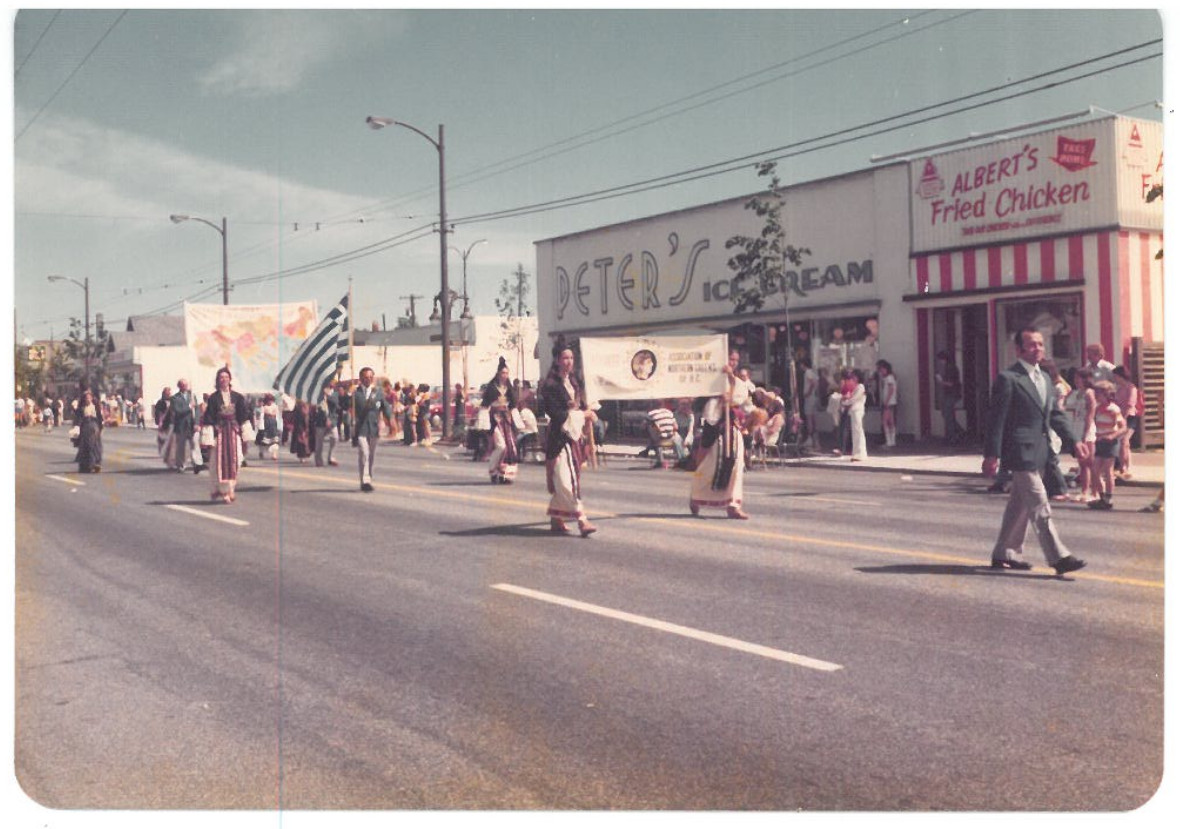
x=273 y=51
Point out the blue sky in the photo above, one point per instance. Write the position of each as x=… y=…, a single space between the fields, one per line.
x=122 y=118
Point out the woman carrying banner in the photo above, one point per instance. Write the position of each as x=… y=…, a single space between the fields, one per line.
x=717 y=481
x=222 y=429
x=564 y=401
x=499 y=398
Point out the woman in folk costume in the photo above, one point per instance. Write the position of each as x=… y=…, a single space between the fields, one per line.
x=225 y=416
x=717 y=481
x=88 y=419
x=564 y=401
x=499 y=398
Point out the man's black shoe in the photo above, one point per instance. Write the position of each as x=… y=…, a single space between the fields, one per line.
x=366 y=487
x=1068 y=565
x=1010 y=564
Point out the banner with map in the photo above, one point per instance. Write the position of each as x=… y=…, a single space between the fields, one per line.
x=255 y=341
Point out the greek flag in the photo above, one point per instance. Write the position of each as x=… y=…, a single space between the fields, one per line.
x=316 y=361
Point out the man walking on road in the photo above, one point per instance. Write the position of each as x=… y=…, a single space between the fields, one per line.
x=1020 y=415
x=368 y=404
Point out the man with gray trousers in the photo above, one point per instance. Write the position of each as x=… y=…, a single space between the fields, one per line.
x=368 y=404
x=1020 y=415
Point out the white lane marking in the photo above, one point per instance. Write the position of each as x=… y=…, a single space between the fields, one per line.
x=679 y=630
x=237 y=522
x=841 y=501
x=66 y=480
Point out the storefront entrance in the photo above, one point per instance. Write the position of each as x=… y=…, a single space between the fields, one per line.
x=962 y=333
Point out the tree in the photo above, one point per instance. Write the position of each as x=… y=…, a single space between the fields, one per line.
x=74 y=349
x=513 y=308
x=760 y=266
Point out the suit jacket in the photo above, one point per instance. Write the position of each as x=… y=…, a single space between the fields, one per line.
x=1018 y=423
x=367 y=414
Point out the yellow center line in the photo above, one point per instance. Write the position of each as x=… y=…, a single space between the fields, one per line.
x=726 y=528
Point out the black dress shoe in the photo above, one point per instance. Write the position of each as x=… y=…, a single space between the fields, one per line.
x=366 y=487
x=1068 y=565
x=1010 y=564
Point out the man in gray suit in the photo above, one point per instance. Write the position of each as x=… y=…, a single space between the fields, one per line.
x=1021 y=413
x=368 y=404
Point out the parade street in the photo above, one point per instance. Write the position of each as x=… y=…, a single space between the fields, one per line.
x=432 y=645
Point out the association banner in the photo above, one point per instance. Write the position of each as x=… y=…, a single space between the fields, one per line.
x=255 y=341
x=653 y=368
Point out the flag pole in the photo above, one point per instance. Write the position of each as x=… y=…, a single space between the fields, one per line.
x=351 y=315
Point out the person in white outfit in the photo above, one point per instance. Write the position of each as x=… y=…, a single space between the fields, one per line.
x=855 y=406
x=888 y=402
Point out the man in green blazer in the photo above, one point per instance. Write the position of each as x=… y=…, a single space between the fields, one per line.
x=368 y=404
x=1021 y=413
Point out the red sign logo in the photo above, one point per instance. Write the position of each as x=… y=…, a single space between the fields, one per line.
x=1075 y=155
x=930 y=185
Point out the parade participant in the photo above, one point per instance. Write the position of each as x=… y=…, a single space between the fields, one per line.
x=88 y=419
x=301 y=435
x=1020 y=414
x=368 y=405
x=564 y=401
x=324 y=421
x=180 y=421
x=268 y=436
x=499 y=398
x=717 y=481
x=159 y=411
x=224 y=425
x=409 y=415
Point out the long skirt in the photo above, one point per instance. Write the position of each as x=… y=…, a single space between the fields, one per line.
x=563 y=476
x=89 y=446
x=505 y=455
x=717 y=481
x=226 y=454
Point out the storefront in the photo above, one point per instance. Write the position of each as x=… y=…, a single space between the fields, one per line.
x=842 y=307
x=1051 y=230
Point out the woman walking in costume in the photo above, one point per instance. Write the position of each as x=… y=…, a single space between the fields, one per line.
x=226 y=415
x=717 y=481
x=88 y=419
x=500 y=400
x=564 y=401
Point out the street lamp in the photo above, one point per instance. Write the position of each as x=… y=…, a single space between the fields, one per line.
x=85 y=286
x=378 y=123
x=464 y=254
x=177 y=218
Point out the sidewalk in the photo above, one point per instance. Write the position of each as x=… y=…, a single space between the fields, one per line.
x=1147 y=467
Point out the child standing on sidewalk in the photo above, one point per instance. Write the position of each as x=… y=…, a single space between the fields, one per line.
x=1109 y=427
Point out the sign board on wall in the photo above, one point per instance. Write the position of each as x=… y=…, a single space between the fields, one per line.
x=673 y=268
x=1047 y=184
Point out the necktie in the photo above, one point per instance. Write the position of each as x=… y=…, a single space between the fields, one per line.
x=1038 y=379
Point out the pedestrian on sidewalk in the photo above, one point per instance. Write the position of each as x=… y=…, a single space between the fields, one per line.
x=1020 y=414
x=1110 y=426
x=1130 y=401
x=950 y=391
x=853 y=405
x=888 y=384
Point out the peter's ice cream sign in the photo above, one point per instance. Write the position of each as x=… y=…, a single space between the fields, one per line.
x=1040 y=185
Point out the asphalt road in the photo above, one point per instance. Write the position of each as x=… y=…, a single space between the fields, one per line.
x=432 y=646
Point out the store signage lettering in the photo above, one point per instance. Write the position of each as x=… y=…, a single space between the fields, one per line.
x=632 y=283
x=800 y=283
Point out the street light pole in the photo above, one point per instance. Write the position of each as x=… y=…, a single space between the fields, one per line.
x=377 y=123
x=465 y=317
x=85 y=286
x=177 y=218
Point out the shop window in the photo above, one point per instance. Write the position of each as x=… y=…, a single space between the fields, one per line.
x=1057 y=317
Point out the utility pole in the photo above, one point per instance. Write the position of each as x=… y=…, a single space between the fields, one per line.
x=413 y=312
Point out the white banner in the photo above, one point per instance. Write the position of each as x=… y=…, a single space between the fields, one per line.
x=653 y=368
x=255 y=341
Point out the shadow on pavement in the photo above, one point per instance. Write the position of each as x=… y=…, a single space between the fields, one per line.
x=955 y=570
x=531 y=530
